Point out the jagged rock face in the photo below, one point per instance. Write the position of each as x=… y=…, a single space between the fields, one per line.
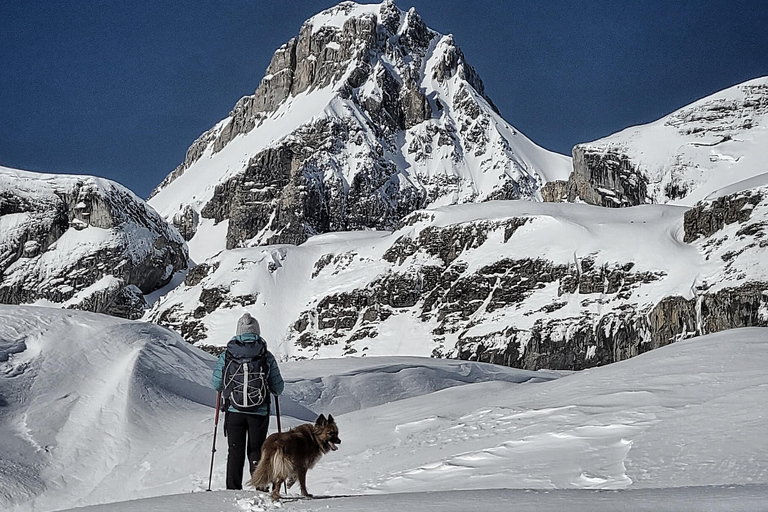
x=731 y=232
x=284 y=196
x=81 y=242
x=365 y=116
x=709 y=217
x=186 y=222
x=555 y=191
x=525 y=285
x=606 y=178
x=681 y=158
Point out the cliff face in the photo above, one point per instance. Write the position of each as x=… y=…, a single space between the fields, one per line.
x=81 y=242
x=363 y=117
x=521 y=284
x=606 y=178
x=681 y=158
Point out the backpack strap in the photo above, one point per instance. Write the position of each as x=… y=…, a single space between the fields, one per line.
x=250 y=350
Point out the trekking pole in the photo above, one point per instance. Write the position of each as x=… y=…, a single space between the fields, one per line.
x=277 y=413
x=215 y=429
x=279 y=429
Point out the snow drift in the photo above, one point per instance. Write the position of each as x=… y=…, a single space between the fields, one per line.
x=97 y=410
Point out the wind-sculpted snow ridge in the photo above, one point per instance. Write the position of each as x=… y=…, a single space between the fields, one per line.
x=362 y=118
x=682 y=158
x=99 y=410
x=317 y=385
x=82 y=242
x=92 y=403
x=96 y=409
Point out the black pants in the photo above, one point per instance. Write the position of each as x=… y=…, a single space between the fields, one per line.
x=238 y=427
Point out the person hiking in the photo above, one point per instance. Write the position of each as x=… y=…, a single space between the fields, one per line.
x=246 y=374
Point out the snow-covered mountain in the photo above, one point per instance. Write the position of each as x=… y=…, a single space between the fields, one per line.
x=408 y=253
x=97 y=410
x=681 y=158
x=82 y=242
x=363 y=117
x=358 y=204
x=532 y=285
x=367 y=116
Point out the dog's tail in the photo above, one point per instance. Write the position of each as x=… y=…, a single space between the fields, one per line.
x=282 y=468
x=273 y=468
x=260 y=477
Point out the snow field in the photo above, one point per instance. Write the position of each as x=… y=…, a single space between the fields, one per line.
x=344 y=262
x=102 y=410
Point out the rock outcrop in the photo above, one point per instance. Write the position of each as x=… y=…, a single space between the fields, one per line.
x=606 y=178
x=82 y=242
x=681 y=158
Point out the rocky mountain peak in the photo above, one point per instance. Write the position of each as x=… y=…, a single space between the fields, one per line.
x=364 y=116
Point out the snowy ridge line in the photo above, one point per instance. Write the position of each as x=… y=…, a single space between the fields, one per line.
x=398 y=368
x=694 y=153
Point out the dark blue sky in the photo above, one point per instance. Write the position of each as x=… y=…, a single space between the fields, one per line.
x=121 y=89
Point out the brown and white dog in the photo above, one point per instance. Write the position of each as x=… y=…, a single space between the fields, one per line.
x=287 y=456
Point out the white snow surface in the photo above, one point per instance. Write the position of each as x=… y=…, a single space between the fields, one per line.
x=704 y=147
x=101 y=411
x=338 y=15
x=41 y=184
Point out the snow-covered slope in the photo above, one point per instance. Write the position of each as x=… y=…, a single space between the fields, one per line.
x=362 y=118
x=97 y=409
x=685 y=415
x=88 y=396
x=682 y=158
x=532 y=285
x=82 y=242
x=730 y=498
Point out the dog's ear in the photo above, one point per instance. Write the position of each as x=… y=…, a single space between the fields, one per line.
x=330 y=419
x=321 y=421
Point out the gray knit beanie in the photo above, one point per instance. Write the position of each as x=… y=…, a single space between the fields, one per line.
x=248 y=324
